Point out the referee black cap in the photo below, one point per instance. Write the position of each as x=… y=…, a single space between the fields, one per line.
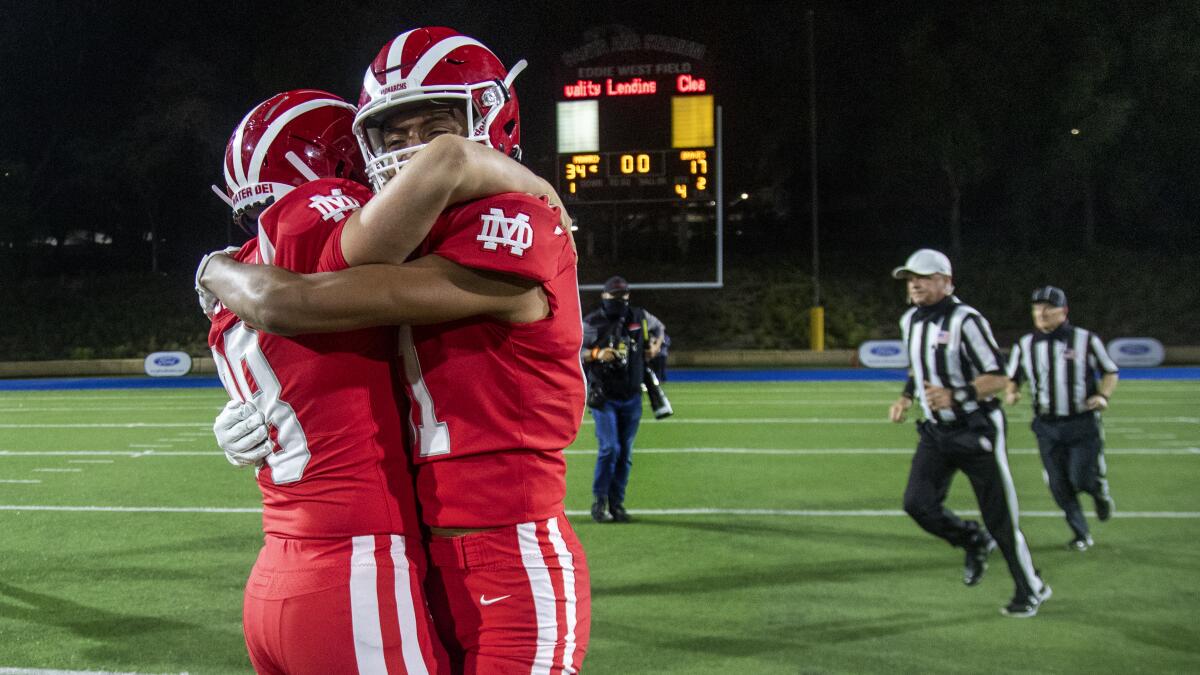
x=1050 y=294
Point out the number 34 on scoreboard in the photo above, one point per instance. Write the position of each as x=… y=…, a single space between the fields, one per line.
x=637 y=175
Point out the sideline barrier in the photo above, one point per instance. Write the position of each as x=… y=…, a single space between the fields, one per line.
x=674 y=376
x=764 y=360
x=1136 y=352
x=883 y=354
x=92 y=367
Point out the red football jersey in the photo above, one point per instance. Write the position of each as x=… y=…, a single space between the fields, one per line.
x=499 y=399
x=339 y=466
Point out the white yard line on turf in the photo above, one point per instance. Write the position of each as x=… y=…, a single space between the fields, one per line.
x=104 y=409
x=136 y=509
x=683 y=402
x=674 y=420
x=21 y=482
x=1187 y=450
x=45 y=671
x=813 y=513
x=864 y=451
x=125 y=425
x=125 y=453
x=876 y=420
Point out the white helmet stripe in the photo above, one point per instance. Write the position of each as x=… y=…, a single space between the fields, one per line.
x=371 y=85
x=436 y=53
x=299 y=165
x=394 y=58
x=268 y=137
x=238 y=170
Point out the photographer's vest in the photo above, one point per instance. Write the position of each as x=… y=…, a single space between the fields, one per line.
x=629 y=335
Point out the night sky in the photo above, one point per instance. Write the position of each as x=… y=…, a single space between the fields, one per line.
x=115 y=114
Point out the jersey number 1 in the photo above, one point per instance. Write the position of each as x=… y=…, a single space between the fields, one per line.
x=245 y=372
x=432 y=436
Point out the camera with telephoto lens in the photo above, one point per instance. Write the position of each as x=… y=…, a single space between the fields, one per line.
x=658 y=398
x=620 y=362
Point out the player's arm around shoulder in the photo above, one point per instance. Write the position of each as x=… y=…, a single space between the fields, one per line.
x=428 y=290
x=449 y=171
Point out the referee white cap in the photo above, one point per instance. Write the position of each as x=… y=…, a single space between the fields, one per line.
x=924 y=262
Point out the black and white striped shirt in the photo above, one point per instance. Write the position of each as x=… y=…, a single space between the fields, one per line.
x=1062 y=367
x=949 y=345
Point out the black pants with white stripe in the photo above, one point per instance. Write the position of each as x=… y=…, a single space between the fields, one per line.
x=980 y=451
x=1073 y=455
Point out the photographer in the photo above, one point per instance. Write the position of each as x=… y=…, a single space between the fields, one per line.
x=618 y=340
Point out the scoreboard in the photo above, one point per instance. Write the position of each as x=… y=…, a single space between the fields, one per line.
x=636 y=175
x=636 y=123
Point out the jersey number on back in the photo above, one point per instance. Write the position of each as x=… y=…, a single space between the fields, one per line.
x=432 y=437
x=245 y=372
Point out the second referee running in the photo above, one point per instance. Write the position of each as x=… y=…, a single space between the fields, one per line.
x=1061 y=363
x=957 y=370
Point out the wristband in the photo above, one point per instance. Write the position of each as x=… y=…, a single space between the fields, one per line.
x=1101 y=396
x=595 y=353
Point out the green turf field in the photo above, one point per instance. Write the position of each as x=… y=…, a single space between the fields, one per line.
x=768 y=539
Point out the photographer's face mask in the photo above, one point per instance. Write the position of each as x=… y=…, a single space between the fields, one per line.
x=613 y=306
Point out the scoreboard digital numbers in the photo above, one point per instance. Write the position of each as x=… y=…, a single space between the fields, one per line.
x=635 y=121
x=636 y=175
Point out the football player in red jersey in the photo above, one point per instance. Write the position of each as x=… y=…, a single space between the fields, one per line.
x=338 y=585
x=491 y=360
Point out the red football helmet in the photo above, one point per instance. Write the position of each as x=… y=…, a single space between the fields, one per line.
x=286 y=141
x=436 y=65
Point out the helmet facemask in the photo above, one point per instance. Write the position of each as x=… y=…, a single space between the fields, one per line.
x=481 y=104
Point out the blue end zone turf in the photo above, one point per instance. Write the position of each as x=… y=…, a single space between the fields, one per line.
x=110 y=383
x=880 y=375
x=676 y=375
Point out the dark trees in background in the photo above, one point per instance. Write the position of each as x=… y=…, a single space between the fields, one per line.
x=946 y=125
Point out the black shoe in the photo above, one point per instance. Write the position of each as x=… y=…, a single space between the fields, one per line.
x=1081 y=543
x=1026 y=606
x=1021 y=607
x=1104 y=505
x=975 y=563
x=600 y=512
x=619 y=515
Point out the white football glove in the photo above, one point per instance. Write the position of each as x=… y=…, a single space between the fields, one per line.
x=242 y=432
x=208 y=301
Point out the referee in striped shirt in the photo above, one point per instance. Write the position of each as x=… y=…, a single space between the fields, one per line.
x=1062 y=364
x=956 y=371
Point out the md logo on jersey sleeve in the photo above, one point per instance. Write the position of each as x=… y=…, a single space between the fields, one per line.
x=499 y=230
x=335 y=205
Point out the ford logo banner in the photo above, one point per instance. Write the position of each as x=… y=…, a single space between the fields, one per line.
x=883 y=354
x=168 y=364
x=1136 y=352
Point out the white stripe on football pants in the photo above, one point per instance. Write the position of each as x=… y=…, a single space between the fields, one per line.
x=364 y=608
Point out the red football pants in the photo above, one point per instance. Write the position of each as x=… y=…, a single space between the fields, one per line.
x=340 y=606
x=515 y=599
